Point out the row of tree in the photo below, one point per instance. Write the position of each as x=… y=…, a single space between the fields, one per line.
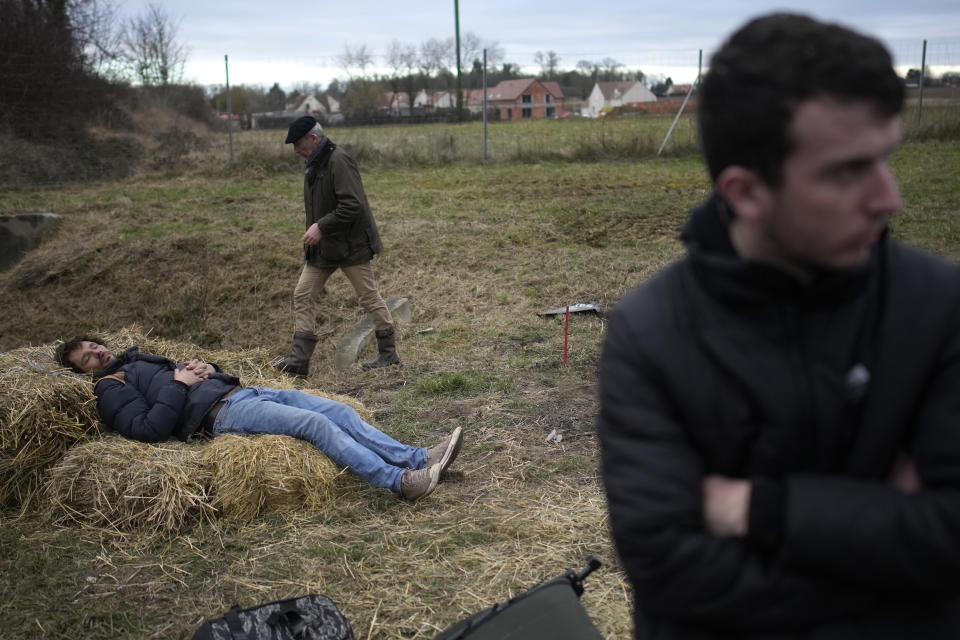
x=76 y=54
x=429 y=66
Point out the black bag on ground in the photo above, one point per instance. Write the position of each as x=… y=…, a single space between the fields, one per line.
x=311 y=617
x=549 y=611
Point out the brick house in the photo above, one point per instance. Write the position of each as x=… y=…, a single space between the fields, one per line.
x=526 y=98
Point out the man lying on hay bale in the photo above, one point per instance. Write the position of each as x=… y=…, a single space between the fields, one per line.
x=150 y=398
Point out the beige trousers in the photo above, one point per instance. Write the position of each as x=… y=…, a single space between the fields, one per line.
x=309 y=289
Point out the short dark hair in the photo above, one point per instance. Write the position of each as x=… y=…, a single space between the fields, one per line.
x=766 y=69
x=65 y=348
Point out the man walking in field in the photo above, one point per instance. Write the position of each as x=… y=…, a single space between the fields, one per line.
x=149 y=398
x=340 y=234
x=780 y=409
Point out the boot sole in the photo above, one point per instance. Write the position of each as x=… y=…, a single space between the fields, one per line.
x=453 y=449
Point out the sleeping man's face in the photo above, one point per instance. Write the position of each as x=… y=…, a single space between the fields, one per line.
x=90 y=357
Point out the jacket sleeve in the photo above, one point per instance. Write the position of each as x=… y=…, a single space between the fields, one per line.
x=124 y=409
x=348 y=190
x=873 y=534
x=653 y=480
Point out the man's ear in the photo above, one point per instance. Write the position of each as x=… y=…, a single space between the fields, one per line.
x=746 y=193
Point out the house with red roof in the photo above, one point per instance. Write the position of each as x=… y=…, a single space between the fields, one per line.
x=526 y=98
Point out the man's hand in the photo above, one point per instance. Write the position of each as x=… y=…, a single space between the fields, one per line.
x=726 y=505
x=201 y=368
x=188 y=377
x=312 y=235
x=904 y=476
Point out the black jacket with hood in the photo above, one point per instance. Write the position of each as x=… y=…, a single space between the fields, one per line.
x=138 y=397
x=721 y=366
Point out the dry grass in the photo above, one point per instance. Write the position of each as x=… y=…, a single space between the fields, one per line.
x=43 y=412
x=211 y=259
x=267 y=474
x=51 y=435
x=124 y=486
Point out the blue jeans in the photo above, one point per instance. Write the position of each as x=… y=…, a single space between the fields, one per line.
x=332 y=427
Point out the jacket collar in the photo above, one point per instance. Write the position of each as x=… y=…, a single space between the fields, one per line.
x=130 y=355
x=321 y=154
x=726 y=274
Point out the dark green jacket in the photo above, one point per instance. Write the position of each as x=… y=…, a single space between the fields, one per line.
x=333 y=197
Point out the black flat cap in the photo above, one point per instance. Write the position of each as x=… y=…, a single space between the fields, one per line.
x=299 y=128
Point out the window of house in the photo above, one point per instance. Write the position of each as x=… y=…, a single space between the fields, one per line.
x=509 y=114
x=548 y=96
x=551 y=112
x=527 y=112
x=526 y=99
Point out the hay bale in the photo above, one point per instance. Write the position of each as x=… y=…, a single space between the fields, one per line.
x=126 y=486
x=254 y=475
x=51 y=438
x=44 y=410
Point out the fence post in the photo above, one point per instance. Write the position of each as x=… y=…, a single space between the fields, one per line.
x=484 y=105
x=226 y=67
x=680 y=110
x=923 y=72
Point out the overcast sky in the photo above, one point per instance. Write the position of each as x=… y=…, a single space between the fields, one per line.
x=288 y=42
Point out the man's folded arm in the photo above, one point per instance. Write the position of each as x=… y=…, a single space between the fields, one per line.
x=654 y=483
x=124 y=409
x=873 y=533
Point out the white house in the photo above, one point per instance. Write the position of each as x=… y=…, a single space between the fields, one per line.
x=607 y=95
x=435 y=100
x=310 y=104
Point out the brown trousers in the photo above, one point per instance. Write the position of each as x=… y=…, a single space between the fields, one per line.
x=309 y=289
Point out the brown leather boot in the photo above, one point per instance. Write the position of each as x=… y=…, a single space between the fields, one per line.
x=298 y=362
x=387 y=347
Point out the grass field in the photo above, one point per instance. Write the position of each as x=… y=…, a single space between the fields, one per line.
x=524 y=141
x=210 y=256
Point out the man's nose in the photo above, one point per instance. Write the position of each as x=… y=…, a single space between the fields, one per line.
x=884 y=195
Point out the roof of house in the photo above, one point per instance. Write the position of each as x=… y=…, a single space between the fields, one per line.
x=475 y=96
x=396 y=100
x=512 y=89
x=609 y=89
x=553 y=88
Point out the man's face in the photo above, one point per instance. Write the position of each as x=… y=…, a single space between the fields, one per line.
x=90 y=357
x=837 y=190
x=305 y=145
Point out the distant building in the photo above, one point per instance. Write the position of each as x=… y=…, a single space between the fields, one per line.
x=325 y=108
x=435 y=100
x=526 y=98
x=677 y=91
x=474 y=100
x=396 y=103
x=321 y=108
x=609 y=95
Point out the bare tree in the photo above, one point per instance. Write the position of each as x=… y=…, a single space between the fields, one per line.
x=93 y=26
x=548 y=63
x=151 y=50
x=610 y=67
x=402 y=60
x=471 y=51
x=495 y=54
x=436 y=54
x=359 y=57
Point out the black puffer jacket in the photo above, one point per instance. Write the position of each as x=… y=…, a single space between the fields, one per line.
x=334 y=198
x=719 y=366
x=148 y=404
